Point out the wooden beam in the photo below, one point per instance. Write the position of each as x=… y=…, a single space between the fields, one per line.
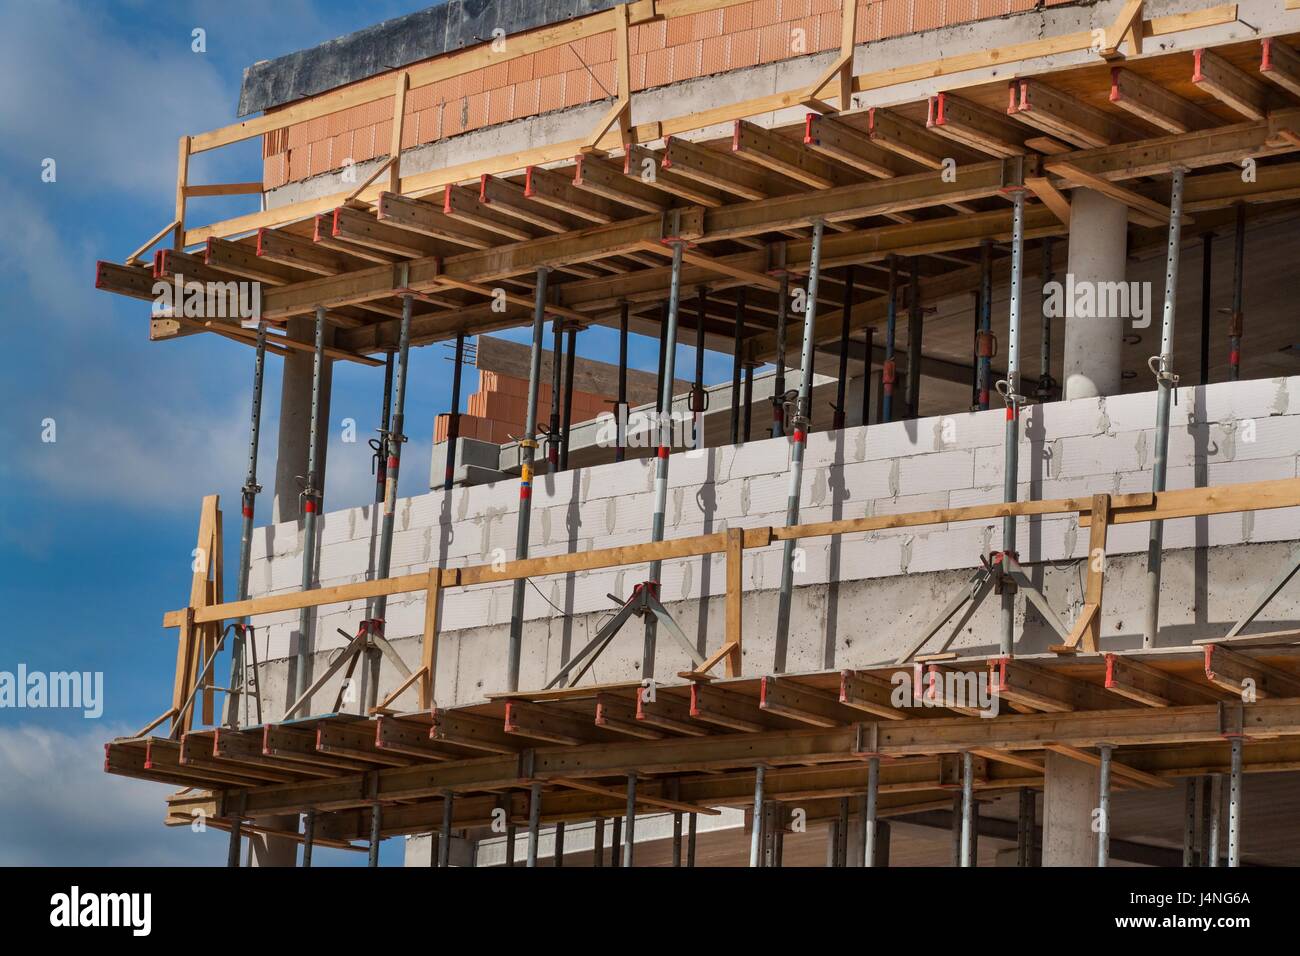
x=1244 y=675
x=780 y=695
x=1128 y=23
x=647 y=166
x=541 y=722
x=1156 y=105
x=472 y=731
x=975 y=125
x=618 y=714
x=1142 y=209
x=1281 y=64
x=786 y=157
x=1045 y=689
x=899 y=135
x=1043 y=107
x=836 y=139
x=1118 y=769
x=668 y=712
x=551 y=189
x=1236 y=88
x=598 y=177
x=509 y=199
x=360 y=227
x=464 y=205
x=403 y=84
x=356 y=741
x=725 y=709
x=423 y=218
x=869 y=693
x=719 y=170
x=1138 y=681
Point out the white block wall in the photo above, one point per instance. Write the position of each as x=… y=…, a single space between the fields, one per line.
x=1225 y=433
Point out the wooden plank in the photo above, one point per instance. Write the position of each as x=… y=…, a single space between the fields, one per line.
x=298 y=744
x=1236 y=88
x=184 y=148
x=1156 y=105
x=642 y=797
x=1193 y=502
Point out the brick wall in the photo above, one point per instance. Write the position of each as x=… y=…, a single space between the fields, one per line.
x=496 y=411
x=664 y=52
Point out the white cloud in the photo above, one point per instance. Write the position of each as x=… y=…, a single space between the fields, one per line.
x=61 y=809
x=106 y=107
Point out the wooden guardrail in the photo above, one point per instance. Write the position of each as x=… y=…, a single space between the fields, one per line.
x=202 y=618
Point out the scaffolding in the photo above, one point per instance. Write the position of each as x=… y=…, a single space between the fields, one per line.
x=834 y=223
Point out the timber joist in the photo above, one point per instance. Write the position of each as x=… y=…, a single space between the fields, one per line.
x=594 y=215
x=695 y=746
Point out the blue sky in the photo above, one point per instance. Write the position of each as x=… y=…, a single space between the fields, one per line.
x=96 y=527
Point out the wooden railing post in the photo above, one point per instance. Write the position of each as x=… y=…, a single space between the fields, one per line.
x=182 y=180
x=429 y=655
x=1096 y=568
x=395 y=151
x=735 y=596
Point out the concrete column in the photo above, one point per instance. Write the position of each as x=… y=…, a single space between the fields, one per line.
x=290 y=465
x=295 y=419
x=1098 y=249
x=1069 y=799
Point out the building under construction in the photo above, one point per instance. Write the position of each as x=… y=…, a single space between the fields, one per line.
x=982 y=554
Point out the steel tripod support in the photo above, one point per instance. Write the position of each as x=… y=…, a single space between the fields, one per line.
x=678 y=246
x=1166 y=382
x=644 y=602
x=527 y=451
x=238 y=677
x=311 y=502
x=1010 y=391
x=802 y=422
